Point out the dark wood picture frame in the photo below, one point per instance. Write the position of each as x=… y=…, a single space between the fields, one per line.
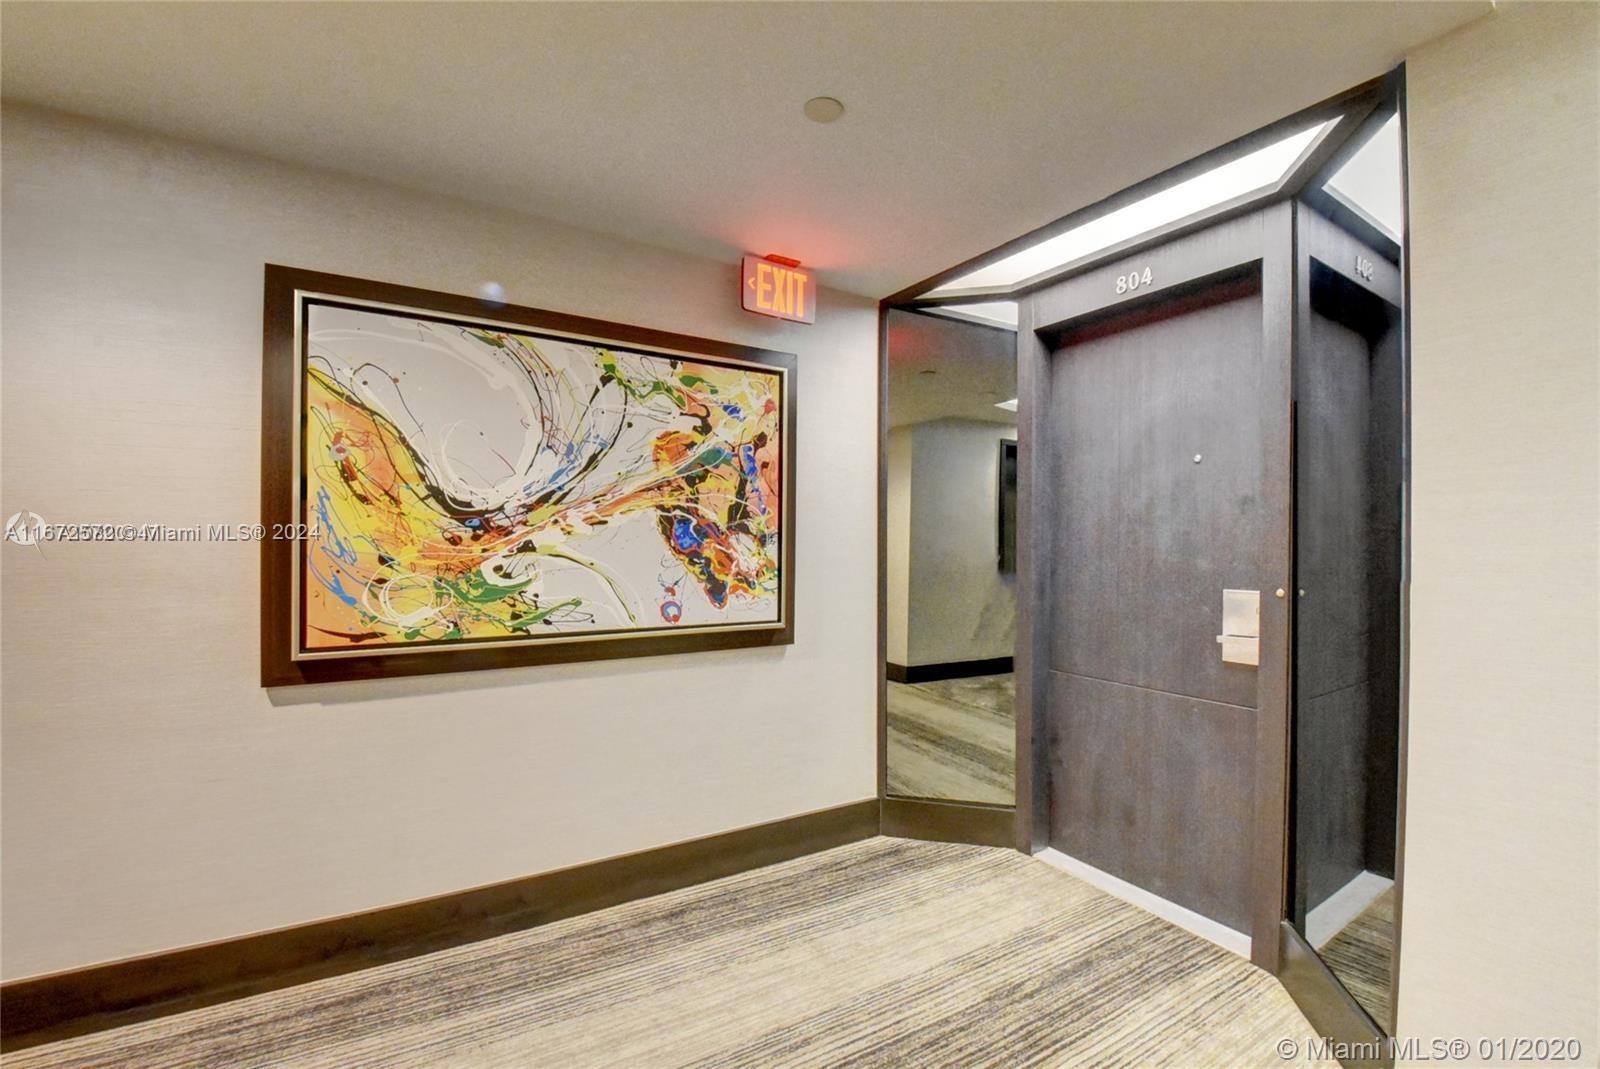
x=286 y=289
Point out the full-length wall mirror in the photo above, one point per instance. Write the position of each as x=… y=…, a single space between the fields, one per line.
x=1349 y=456
x=951 y=555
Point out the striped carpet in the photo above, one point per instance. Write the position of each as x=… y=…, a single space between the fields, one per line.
x=1360 y=955
x=954 y=739
x=887 y=952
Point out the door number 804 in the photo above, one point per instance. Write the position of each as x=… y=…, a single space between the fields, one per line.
x=1133 y=280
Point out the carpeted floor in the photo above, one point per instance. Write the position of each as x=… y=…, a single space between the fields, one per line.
x=954 y=739
x=883 y=953
x=1360 y=957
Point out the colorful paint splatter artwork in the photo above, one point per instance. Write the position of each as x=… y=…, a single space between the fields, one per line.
x=465 y=483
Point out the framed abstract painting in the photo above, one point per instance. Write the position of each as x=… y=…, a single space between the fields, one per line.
x=449 y=485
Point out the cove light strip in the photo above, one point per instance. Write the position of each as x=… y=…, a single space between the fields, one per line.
x=1254 y=172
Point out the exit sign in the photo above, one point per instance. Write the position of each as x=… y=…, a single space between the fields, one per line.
x=781 y=289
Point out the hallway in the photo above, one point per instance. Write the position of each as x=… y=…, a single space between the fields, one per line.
x=884 y=952
x=832 y=534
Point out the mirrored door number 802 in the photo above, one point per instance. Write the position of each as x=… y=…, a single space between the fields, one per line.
x=1133 y=280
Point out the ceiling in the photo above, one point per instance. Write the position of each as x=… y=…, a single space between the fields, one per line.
x=680 y=124
x=941 y=368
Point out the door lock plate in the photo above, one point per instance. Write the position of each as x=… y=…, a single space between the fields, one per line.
x=1241 y=627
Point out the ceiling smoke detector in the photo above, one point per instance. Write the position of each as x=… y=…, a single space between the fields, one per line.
x=823 y=109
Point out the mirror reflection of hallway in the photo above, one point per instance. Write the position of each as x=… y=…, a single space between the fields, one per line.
x=1348 y=571
x=950 y=718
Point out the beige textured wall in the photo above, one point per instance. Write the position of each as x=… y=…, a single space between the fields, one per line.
x=154 y=795
x=960 y=606
x=1501 y=929
x=948 y=600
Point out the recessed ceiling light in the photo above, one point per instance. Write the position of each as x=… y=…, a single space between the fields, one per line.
x=1253 y=172
x=823 y=109
x=1009 y=406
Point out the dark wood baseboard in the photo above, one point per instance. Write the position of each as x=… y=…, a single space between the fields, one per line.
x=1328 y=1006
x=927 y=673
x=57 y=1006
x=949 y=822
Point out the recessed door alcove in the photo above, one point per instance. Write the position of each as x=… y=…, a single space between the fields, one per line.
x=1232 y=423
x=1211 y=383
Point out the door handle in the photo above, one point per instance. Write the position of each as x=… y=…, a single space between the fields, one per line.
x=1241 y=627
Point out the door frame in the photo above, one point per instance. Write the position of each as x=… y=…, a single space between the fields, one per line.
x=1259 y=245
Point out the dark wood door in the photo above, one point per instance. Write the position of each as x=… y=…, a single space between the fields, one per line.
x=1156 y=433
